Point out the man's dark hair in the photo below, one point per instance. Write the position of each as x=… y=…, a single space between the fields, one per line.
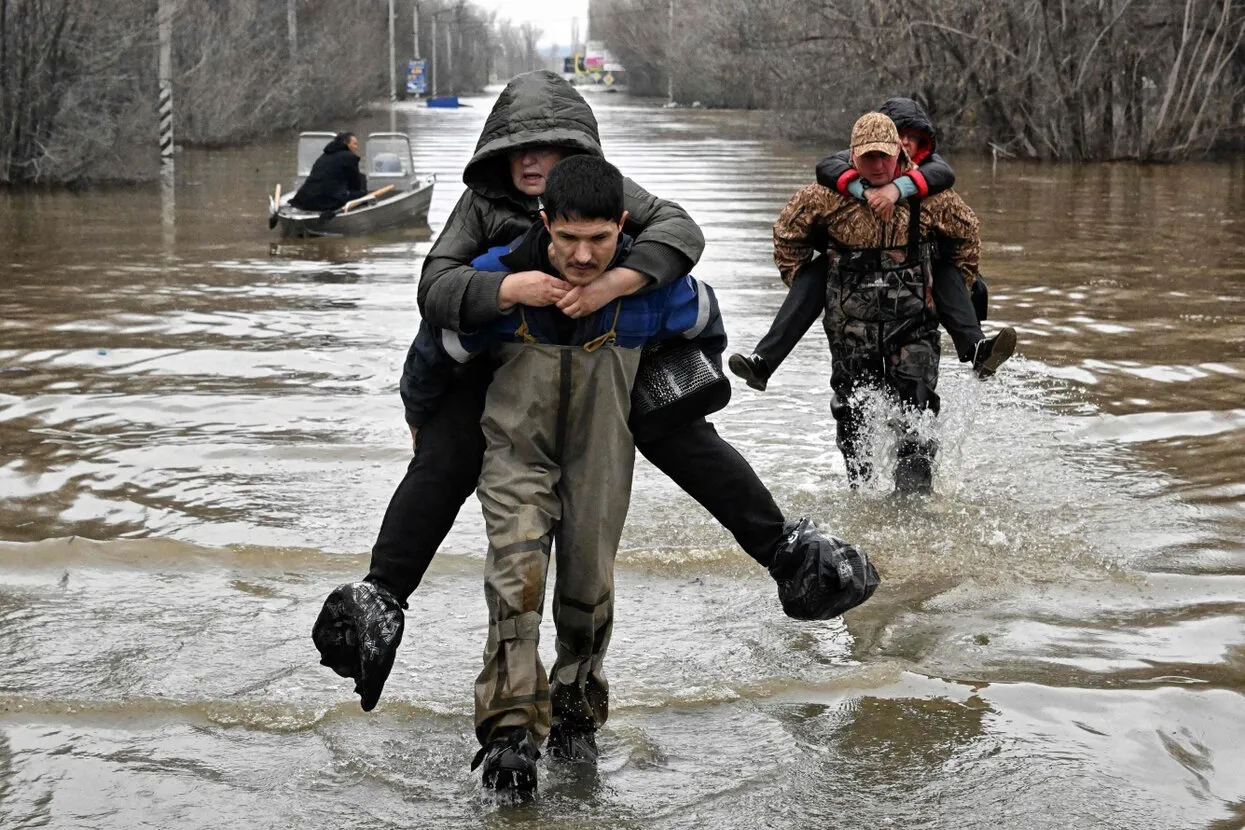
x=342 y=138
x=583 y=187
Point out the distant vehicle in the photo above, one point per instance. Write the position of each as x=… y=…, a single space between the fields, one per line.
x=399 y=198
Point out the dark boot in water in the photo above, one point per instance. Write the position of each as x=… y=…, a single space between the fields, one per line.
x=573 y=744
x=914 y=468
x=991 y=352
x=752 y=369
x=509 y=763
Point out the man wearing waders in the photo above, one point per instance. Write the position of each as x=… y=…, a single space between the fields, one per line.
x=557 y=469
x=959 y=301
x=879 y=314
x=538 y=119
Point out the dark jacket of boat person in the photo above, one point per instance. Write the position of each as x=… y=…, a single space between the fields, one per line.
x=335 y=177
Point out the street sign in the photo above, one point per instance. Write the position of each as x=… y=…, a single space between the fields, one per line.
x=417 y=77
x=594 y=55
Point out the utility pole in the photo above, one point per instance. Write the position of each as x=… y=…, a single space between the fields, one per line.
x=164 y=22
x=415 y=29
x=449 y=55
x=291 y=26
x=670 y=56
x=574 y=36
x=393 y=68
x=436 y=73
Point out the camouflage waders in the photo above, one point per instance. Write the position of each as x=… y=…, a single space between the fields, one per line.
x=557 y=474
x=884 y=335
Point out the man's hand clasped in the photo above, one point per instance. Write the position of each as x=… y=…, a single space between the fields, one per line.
x=536 y=288
x=583 y=300
x=882 y=201
x=533 y=288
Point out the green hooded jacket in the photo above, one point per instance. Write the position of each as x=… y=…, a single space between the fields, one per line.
x=535 y=108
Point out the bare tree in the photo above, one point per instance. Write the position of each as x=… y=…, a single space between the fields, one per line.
x=1061 y=79
x=68 y=102
x=77 y=79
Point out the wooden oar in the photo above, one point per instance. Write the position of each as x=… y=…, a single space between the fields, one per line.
x=274 y=207
x=329 y=214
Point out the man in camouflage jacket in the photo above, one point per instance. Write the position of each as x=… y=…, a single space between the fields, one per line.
x=879 y=314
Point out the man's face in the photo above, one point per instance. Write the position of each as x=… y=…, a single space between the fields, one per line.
x=877 y=168
x=530 y=165
x=581 y=249
x=352 y=144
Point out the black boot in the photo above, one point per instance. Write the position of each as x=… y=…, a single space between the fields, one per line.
x=509 y=762
x=573 y=743
x=991 y=352
x=914 y=470
x=820 y=576
x=847 y=435
x=358 y=633
x=859 y=472
x=753 y=369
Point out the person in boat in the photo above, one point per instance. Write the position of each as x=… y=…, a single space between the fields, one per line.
x=537 y=120
x=335 y=178
x=959 y=299
x=878 y=302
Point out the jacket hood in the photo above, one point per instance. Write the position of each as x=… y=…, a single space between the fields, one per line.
x=335 y=146
x=535 y=108
x=908 y=115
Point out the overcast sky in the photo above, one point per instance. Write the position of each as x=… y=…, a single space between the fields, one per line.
x=553 y=16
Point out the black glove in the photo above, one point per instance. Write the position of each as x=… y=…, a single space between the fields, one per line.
x=357 y=633
x=820 y=576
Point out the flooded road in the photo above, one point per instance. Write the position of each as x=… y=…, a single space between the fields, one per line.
x=200 y=430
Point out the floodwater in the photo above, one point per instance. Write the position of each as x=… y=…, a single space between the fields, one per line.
x=199 y=432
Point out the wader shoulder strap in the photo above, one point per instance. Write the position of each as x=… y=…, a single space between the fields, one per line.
x=610 y=336
x=914 y=228
x=523 y=332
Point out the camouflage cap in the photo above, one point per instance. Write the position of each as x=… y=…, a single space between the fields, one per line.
x=875 y=133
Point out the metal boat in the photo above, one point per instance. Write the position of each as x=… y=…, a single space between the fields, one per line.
x=387 y=161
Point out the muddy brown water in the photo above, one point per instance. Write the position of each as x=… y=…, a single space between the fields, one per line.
x=199 y=431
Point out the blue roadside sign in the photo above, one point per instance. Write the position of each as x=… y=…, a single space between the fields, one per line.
x=417 y=77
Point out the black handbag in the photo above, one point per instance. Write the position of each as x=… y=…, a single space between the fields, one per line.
x=675 y=384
